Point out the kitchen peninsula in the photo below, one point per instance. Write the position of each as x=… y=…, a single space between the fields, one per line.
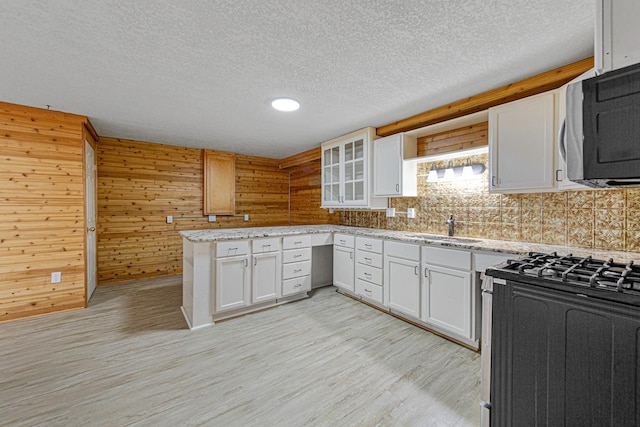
x=429 y=280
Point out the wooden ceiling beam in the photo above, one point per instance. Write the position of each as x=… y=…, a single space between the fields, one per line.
x=530 y=86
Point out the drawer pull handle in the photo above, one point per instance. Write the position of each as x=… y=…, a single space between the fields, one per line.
x=297 y=256
x=298 y=270
x=350 y=255
x=246 y=262
x=266 y=246
x=368 y=246
x=297 y=243
x=367 y=291
x=368 y=260
x=415 y=270
x=298 y=285
x=367 y=274
x=343 y=242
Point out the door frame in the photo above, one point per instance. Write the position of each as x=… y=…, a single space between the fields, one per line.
x=89 y=136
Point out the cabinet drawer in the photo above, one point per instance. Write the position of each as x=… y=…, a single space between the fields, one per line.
x=296 y=242
x=270 y=244
x=452 y=258
x=366 y=244
x=296 y=269
x=369 y=258
x=293 y=286
x=344 y=240
x=369 y=290
x=296 y=255
x=232 y=248
x=369 y=274
x=402 y=250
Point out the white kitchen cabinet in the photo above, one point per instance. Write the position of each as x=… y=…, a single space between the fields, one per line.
x=346 y=172
x=402 y=288
x=296 y=264
x=448 y=291
x=368 y=269
x=521 y=144
x=448 y=299
x=616 y=34
x=265 y=270
x=232 y=283
x=344 y=262
x=392 y=176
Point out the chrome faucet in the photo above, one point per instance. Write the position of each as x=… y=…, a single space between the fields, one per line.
x=450 y=222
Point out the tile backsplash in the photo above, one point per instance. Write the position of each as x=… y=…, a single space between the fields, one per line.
x=599 y=219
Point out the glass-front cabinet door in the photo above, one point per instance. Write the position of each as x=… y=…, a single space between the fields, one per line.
x=331 y=176
x=354 y=172
x=345 y=172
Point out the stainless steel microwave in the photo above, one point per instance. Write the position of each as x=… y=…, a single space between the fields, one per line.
x=600 y=139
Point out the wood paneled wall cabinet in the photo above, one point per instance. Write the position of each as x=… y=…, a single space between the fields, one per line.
x=43 y=227
x=219 y=183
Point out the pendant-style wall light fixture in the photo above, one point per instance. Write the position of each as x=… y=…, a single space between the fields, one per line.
x=451 y=173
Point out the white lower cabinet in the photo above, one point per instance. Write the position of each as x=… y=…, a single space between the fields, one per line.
x=368 y=269
x=402 y=277
x=296 y=265
x=448 y=290
x=265 y=277
x=448 y=300
x=232 y=283
x=344 y=262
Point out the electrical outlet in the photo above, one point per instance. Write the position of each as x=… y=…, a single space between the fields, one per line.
x=246 y=217
x=411 y=213
x=169 y=219
x=212 y=218
x=391 y=212
x=56 y=277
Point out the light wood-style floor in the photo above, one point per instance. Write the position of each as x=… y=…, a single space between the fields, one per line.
x=129 y=359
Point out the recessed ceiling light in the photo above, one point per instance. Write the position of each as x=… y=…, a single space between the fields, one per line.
x=285 y=104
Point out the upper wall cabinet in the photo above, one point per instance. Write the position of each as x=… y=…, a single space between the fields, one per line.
x=617 y=34
x=219 y=183
x=346 y=172
x=521 y=144
x=525 y=145
x=392 y=176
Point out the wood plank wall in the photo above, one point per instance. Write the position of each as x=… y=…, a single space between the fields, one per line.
x=42 y=208
x=305 y=190
x=454 y=140
x=140 y=183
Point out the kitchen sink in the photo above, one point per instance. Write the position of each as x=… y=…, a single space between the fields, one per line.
x=439 y=238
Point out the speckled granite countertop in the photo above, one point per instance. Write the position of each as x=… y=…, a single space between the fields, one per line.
x=476 y=244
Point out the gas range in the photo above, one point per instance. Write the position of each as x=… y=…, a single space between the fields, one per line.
x=602 y=279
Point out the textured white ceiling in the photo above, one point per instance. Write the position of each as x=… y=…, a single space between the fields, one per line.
x=202 y=73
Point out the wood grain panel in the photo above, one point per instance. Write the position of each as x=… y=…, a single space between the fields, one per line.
x=305 y=195
x=140 y=183
x=530 y=86
x=42 y=208
x=301 y=158
x=454 y=140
